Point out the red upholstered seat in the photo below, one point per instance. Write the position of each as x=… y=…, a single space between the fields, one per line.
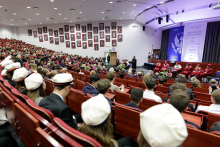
x=103 y=76
x=123 y=81
x=133 y=83
x=121 y=97
x=215 y=132
x=8 y=85
x=139 y=80
x=88 y=96
x=83 y=77
x=211 y=119
x=41 y=111
x=76 y=135
x=80 y=84
x=162 y=89
x=49 y=87
x=131 y=78
x=22 y=97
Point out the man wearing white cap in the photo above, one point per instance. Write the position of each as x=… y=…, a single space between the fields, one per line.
x=55 y=101
x=162 y=126
x=4 y=63
x=10 y=70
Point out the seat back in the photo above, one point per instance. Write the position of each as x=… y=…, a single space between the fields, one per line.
x=142 y=85
x=167 y=84
x=202 y=90
x=161 y=95
x=140 y=80
x=41 y=111
x=77 y=76
x=124 y=115
x=83 y=77
x=212 y=118
x=80 y=84
x=123 y=81
x=131 y=78
x=122 y=98
x=22 y=97
x=49 y=87
x=133 y=83
x=201 y=139
x=162 y=89
x=147 y=103
x=8 y=85
x=76 y=135
x=75 y=100
x=103 y=76
x=202 y=97
x=88 y=96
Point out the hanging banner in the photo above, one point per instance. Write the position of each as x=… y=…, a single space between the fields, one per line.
x=193 y=42
x=175 y=44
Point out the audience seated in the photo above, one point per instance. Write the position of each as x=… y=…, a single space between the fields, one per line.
x=55 y=101
x=111 y=77
x=87 y=68
x=161 y=81
x=92 y=87
x=170 y=76
x=208 y=78
x=96 y=115
x=129 y=73
x=136 y=98
x=36 y=87
x=98 y=70
x=10 y=71
x=45 y=73
x=92 y=73
x=183 y=81
x=64 y=70
x=157 y=129
x=18 y=77
x=34 y=67
x=140 y=74
x=121 y=75
x=180 y=99
x=53 y=73
x=196 y=83
x=39 y=70
x=78 y=70
x=149 y=92
x=215 y=106
x=103 y=87
x=212 y=86
x=156 y=75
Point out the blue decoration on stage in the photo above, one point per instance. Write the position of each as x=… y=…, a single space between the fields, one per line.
x=175 y=44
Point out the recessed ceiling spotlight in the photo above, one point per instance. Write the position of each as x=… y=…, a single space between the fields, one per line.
x=55 y=8
x=161 y=2
x=37 y=14
x=102 y=12
x=0 y=6
x=35 y=7
x=65 y=18
x=103 y=18
x=28 y=7
x=120 y=18
x=55 y=22
x=134 y=5
x=72 y=9
x=14 y=14
x=25 y=23
x=59 y=14
x=29 y=19
x=80 y=12
x=110 y=2
x=51 y=0
x=40 y=23
x=11 y=24
x=71 y=21
x=11 y=19
x=85 y=19
x=47 y=18
x=123 y=12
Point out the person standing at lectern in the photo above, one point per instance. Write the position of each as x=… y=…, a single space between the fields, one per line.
x=135 y=62
x=108 y=58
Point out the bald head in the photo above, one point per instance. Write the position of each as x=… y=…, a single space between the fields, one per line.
x=212 y=81
x=64 y=70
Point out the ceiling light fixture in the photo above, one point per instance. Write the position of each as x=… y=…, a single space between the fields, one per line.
x=47 y=18
x=80 y=12
x=103 y=18
x=25 y=23
x=37 y=14
x=35 y=7
x=59 y=14
x=29 y=19
x=110 y=2
x=161 y=2
x=123 y=12
x=134 y=5
x=14 y=14
x=40 y=23
x=71 y=21
x=28 y=7
x=55 y=8
x=85 y=19
x=65 y=18
x=0 y=6
x=55 y=22
x=51 y=0
x=103 y=12
x=72 y=9
x=11 y=19
x=120 y=18
x=11 y=24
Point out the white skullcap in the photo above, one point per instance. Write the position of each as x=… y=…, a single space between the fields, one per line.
x=163 y=126
x=20 y=74
x=6 y=62
x=33 y=81
x=111 y=70
x=4 y=73
x=95 y=111
x=62 y=79
x=13 y=66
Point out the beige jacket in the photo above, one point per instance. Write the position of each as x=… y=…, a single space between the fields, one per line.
x=115 y=87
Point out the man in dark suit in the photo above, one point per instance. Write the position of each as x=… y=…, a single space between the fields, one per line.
x=91 y=89
x=55 y=101
x=136 y=98
x=180 y=100
x=183 y=81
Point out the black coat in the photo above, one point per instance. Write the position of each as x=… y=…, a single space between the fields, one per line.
x=189 y=91
x=59 y=109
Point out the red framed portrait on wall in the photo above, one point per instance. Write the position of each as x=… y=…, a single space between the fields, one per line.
x=78 y=35
x=56 y=41
x=40 y=38
x=83 y=29
x=120 y=38
x=101 y=26
x=50 y=32
x=61 y=38
x=113 y=25
x=89 y=35
x=61 y=31
x=89 y=27
x=113 y=34
x=77 y=27
x=84 y=37
x=39 y=30
x=119 y=29
x=90 y=44
x=107 y=38
x=73 y=45
x=45 y=29
x=51 y=40
x=96 y=38
x=72 y=29
x=67 y=44
x=107 y=29
x=95 y=30
x=96 y=47
x=35 y=34
x=102 y=43
x=55 y=33
x=29 y=32
x=72 y=37
x=114 y=43
x=67 y=36
x=101 y=35
x=84 y=45
x=66 y=28
x=45 y=37
x=78 y=43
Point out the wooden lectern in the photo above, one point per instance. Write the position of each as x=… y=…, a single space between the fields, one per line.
x=132 y=64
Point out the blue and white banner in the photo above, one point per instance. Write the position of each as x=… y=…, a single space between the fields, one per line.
x=193 y=42
x=175 y=44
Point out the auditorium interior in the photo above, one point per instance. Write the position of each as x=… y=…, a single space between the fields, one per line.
x=109 y=73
